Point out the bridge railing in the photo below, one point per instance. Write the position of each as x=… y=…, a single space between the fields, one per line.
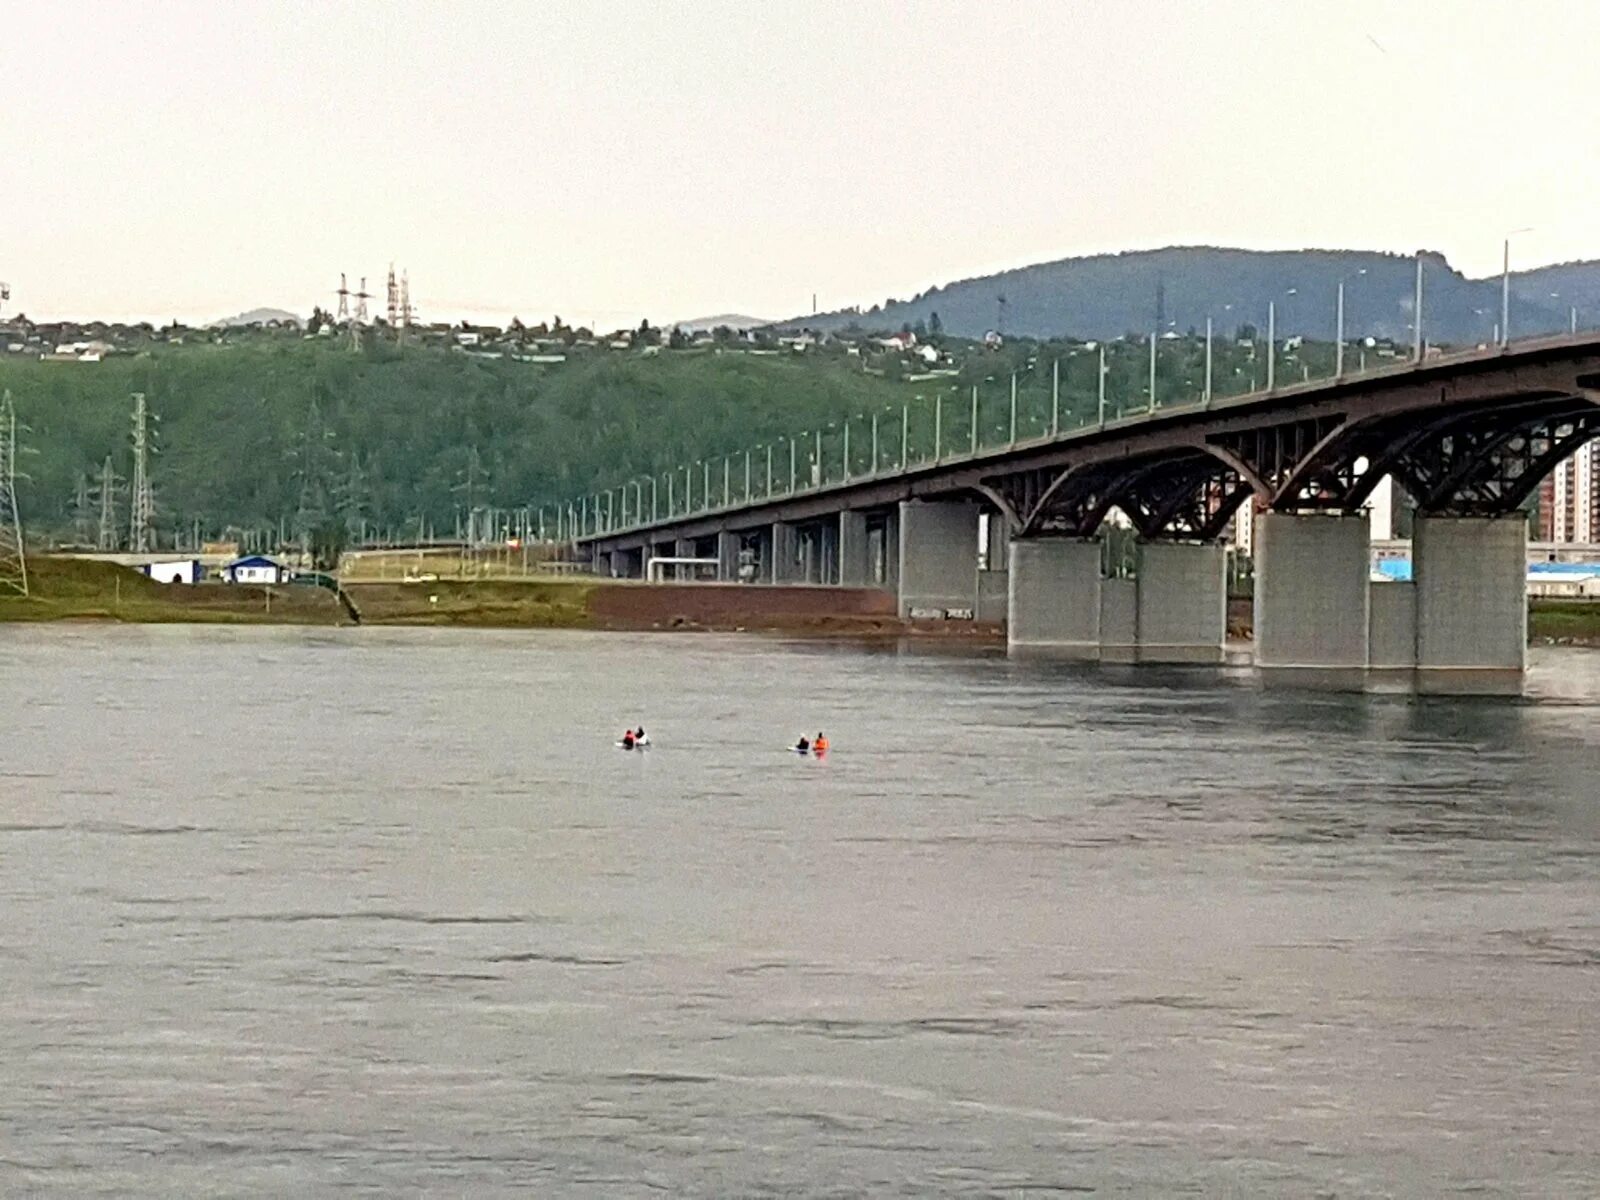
x=1093 y=386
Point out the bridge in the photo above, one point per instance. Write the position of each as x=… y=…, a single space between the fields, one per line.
x=1468 y=435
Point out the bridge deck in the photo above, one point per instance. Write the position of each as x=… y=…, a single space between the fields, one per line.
x=1573 y=364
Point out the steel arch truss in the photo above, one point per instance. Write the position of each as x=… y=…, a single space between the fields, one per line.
x=1477 y=457
x=1487 y=468
x=1482 y=460
x=1188 y=497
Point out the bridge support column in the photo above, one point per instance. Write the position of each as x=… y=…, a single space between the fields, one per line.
x=1311 y=606
x=855 y=567
x=1054 y=598
x=785 y=554
x=763 y=548
x=828 y=550
x=808 y=538
x=938 y=557
x=1182 y=602
x=994 y=580
x=889 y=548
x=660 y=550
x=728 y=557
x=1471 y=604
x=685 y=549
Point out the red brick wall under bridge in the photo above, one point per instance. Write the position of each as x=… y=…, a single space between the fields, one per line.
x=745 y=606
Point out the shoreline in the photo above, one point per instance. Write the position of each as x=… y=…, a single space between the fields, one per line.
x=77 y=591
x=88 y=592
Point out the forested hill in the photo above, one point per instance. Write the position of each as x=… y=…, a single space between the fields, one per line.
x=1108 y=295
x=251 y=435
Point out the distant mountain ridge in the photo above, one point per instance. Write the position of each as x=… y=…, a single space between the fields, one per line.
x=1108 y=295
x=257 y=316
x=731 y=320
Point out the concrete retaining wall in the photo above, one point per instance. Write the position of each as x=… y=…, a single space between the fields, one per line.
x=640 y=606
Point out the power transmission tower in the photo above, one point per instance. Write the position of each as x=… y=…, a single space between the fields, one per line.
x=394 y=299
x=141 y=502
x=344 y=299
x=82 y=510
x=405 y=305
x=13 y=559
x=360 y=318
x=108 y=507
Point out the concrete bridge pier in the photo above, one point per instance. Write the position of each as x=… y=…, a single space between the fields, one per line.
x=994 y=574
x=728 y=544
x=685 y=548
x=1181 y=605
x=1471 y=617
x=885 y=541
x=1312 y=614
x=938 y=558
x=1061 y=605
x=1054 y=598
x=827 y=535
x=813 y=562
x=761 y=541
x=855 y=566
x=659 y=549
x=1460 y=627
x=786 y=567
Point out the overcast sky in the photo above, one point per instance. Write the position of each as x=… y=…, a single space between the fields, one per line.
x=609 y=161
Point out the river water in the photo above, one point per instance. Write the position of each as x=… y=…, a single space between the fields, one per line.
x=293 y=912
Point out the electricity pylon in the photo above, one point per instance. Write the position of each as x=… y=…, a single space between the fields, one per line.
x=108 y=507
x=141 y=503
x=13 y=558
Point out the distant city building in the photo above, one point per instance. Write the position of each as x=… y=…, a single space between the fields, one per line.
x=1381 y=509
x=1569 y=499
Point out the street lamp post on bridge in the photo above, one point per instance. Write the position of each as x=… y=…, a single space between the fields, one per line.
x=1505 y=285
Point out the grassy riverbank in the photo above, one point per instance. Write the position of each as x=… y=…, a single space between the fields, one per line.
x=1565 y=622
x=66 y=589
x=503 y=604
